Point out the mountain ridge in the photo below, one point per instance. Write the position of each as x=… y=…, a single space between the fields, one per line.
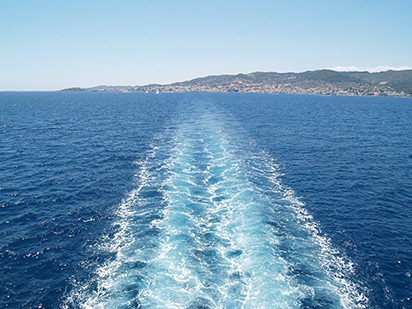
x=325 y=81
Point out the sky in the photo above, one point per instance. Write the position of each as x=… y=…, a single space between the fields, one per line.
x=55 y=44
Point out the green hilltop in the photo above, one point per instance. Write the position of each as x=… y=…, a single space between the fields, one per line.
x=326 y=82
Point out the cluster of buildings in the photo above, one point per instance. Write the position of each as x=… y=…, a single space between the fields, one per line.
x=281 y=88
x=317 y=82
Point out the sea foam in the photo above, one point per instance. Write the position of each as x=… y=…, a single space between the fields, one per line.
x=210 y=224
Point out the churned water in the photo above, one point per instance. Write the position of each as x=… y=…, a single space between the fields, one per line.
x=128 y=200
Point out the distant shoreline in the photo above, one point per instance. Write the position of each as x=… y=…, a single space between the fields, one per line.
x=320 y=82
x=222 y=92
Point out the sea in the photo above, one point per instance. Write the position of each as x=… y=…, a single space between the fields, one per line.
x=205 y=200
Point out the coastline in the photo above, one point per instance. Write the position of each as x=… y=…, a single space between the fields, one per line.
x=321 y=82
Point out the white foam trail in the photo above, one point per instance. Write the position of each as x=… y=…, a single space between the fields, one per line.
x=245 y=276
x=210 y=224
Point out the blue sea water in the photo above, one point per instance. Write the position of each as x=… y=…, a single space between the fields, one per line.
x=127 y=200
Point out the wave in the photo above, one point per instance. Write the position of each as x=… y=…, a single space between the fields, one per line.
x=211 y=225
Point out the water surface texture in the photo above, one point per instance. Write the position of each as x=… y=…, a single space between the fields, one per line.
x=127 y=200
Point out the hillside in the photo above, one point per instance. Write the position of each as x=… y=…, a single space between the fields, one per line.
x=327 y=82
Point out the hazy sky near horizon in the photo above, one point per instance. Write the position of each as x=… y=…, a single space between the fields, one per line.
x=54 y=44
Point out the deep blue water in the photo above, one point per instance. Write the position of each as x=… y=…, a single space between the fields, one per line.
x=121 y=200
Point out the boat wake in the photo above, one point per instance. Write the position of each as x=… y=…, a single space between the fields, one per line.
x=211 y=225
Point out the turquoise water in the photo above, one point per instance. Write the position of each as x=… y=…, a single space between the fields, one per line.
x=205 y=201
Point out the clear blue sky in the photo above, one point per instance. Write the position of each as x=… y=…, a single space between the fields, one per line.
x=53 y=44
